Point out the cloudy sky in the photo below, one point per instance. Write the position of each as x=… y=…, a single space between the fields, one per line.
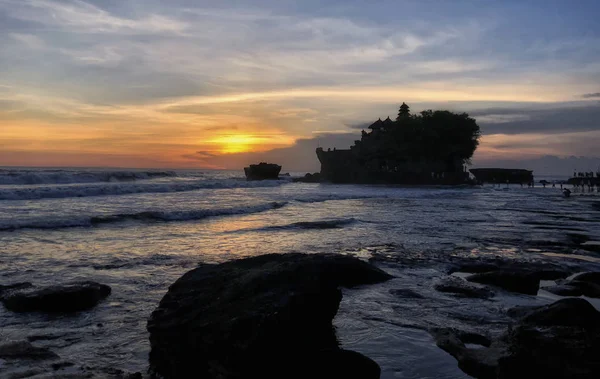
x=192 y=83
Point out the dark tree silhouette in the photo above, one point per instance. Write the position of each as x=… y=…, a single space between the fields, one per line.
x=432 y=141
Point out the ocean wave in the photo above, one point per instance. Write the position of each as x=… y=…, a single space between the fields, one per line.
x=148 y=216
x=36 y=177
x=109 y=189
x=308 y=225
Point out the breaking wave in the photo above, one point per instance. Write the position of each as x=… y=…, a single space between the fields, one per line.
x=148 y=216
x=108 y=189
x=319 y=224
x=33 y=177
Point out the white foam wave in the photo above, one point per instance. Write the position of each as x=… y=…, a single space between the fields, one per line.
x=48 y=176
x=108 y=189
x=148 y=216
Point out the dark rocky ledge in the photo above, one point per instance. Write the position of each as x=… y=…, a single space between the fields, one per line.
x=559 y=340
x=265 y=317
x=71 y=297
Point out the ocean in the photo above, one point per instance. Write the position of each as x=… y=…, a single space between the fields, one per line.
x=139 y=230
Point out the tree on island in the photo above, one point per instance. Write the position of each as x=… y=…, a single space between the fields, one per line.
x=440 y=141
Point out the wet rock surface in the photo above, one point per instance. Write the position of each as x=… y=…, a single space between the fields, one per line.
x=588 y=277
x=516 y=281
x=559 y=340
x=70 y=297
x=309 y=178
x=575 y=288
x=267 y=316
x=458 y=287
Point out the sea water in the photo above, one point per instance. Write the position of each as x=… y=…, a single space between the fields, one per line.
x=139 y=230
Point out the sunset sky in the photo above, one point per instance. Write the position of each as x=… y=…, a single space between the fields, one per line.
x=219 y=84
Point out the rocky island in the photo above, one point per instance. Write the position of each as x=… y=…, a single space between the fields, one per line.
x=262 y=171
x=432 y=147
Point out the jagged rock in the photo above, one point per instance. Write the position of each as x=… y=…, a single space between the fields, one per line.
x=65 y=298
x=541 y=271
x=268 y=316
x=575 y=288
x=550 y=352
x=565 y=312
x=479 y=363
x=457 y=286
x=589 y=277
x=406 y=293
x=559 y=340
x=309 y=178
x=564 y=290
x=25 y=350
x=514 y=281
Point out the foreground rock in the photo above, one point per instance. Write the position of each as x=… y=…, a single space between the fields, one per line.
x=515 y=281
x=559 y=340
x=458 y=287
x=265 y=317
x=71 y=297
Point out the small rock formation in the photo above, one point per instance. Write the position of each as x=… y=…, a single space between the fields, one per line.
x=262 y=171
x=263 y=317
x=458 y=287
x=309 y=178
x=6 y=289
x=559 y=340
x=70 y=297
x=516 y=281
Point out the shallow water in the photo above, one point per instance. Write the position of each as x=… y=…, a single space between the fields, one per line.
x=138 y=232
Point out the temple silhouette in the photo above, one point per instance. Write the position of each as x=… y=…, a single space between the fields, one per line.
x=432 y=147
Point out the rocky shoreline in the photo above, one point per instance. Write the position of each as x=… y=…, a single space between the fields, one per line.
x=275 y=314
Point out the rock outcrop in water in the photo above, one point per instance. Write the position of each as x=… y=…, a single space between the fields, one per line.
x=459 y=287
x=263 y=317
x=262 y=171
x=70 y=297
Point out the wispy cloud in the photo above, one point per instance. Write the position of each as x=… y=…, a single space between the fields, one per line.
x=86 y=17
x=185 y=73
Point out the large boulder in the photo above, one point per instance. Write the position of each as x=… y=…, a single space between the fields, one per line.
x=265 y=317
x=515 y=281
x=70 y=297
